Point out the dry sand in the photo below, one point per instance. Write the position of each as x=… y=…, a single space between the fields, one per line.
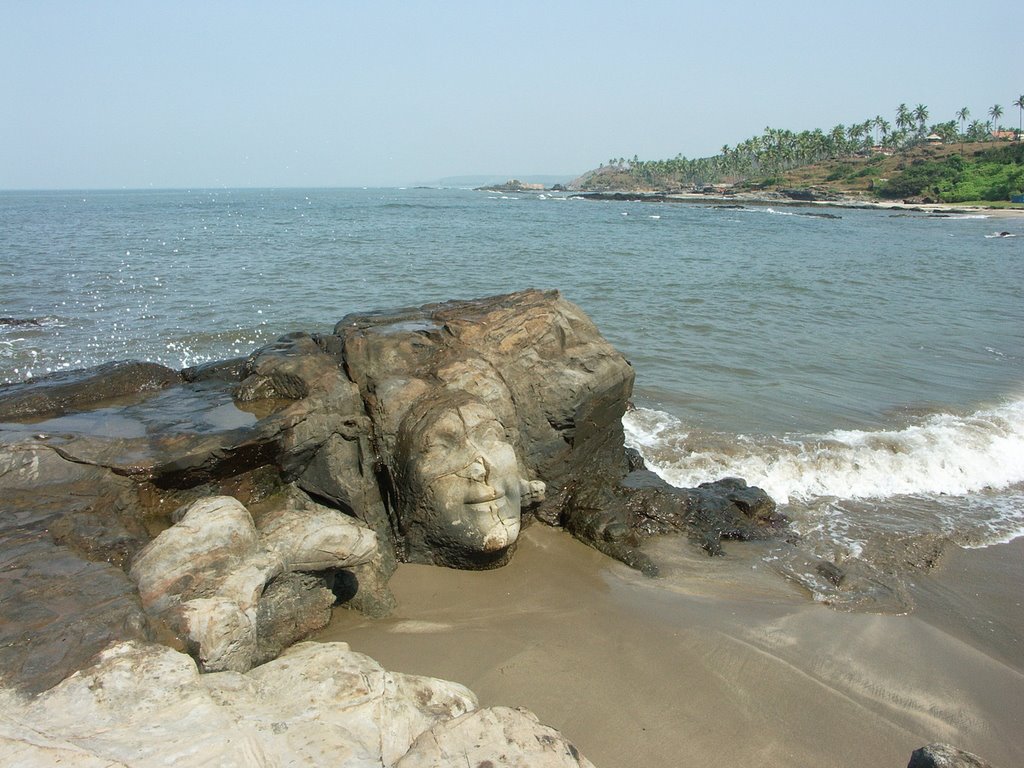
x=721 y=662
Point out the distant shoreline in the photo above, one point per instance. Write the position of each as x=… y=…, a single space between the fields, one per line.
x=776 y=198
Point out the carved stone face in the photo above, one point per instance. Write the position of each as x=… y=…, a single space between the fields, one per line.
x=462 y=483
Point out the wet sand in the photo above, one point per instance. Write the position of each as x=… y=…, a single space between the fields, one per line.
x=721 y=662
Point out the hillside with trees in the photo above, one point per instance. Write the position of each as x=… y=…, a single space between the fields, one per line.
x=962 y=159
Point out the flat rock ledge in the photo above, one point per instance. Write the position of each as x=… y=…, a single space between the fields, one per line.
x=144 y=704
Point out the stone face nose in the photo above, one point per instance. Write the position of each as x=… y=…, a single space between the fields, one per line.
x=477 y=470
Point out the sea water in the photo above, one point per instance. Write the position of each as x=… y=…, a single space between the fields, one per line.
x=865 y=367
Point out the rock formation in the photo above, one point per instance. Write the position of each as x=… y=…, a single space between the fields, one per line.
x=143 y=704
x=220 y=582
x=226 y=508
x=945 y=756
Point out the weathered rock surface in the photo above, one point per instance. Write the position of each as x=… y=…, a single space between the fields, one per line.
x=214 y=579
x=470 y=740
x=945 y=756
x=437 y=427
x=64 y=530
x=302 y=474
x=66 y=391
x=147 y=705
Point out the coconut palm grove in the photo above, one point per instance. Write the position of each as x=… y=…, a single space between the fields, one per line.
x=967 y=158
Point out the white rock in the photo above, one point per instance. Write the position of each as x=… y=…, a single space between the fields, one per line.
x=219 y=633
x=146 y=705
x=497 y=737
x=205 y=575
x=317 y=538
x=193 y=556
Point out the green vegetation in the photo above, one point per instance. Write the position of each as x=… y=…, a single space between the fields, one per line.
x=912 y=159
x=995 y=174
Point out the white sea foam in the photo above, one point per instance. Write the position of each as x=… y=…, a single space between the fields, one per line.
x=944 y=454
x=961 y=476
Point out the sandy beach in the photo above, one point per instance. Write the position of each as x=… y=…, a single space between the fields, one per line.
x=720 y=662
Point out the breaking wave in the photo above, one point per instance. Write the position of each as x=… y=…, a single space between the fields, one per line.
x=943 y=454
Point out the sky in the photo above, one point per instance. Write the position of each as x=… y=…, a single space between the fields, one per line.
x=141 y=94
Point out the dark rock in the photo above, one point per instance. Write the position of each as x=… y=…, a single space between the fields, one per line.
x=626 y=197
x=853 y=584
x=62 y=602
x=945 y=756
x=438 y=427
x=804 y=195
x=65 y=391
x=59 y=610
x=644 y=505
x=293 y=606
x=364 y=588
x=218 y=370
x=831 y=572
x=529 y=369
x=819 y=215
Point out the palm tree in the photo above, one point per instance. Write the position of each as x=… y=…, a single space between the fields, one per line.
x=903 y=117
x=883 y=127
x=1019 y=104
x=962 y=116
x=921 y=115
x=995 y=112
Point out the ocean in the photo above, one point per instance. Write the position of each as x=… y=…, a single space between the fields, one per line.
x=865 y=367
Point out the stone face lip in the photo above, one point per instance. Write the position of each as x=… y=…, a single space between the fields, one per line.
x=945 y=756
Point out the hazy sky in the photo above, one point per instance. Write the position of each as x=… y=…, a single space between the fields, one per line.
x=196 y=94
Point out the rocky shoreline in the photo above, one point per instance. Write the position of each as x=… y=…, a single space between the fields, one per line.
x=168 y=539
x=799 y=198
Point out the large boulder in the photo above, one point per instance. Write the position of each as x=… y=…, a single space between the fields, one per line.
x=147 y=705
x=497 y=737
x=477 y=407
x=227 y=590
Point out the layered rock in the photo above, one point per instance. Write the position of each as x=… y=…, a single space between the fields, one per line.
x=470 y=739
x=215 y=579
x=225 y=510
x=317 y=704
x=443 y=429
x=144 y=704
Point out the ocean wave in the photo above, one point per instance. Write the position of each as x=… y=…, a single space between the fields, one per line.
x=945 y=454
